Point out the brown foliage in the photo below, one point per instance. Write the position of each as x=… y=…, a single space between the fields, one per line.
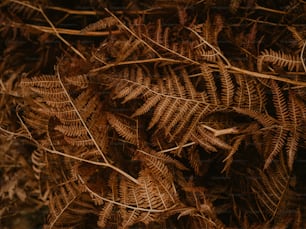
x=161 y=114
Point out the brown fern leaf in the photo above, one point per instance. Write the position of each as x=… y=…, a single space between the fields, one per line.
x=279 y=100
x=119 y=51
x=249 y=94
x=230 y=157
x=101 y=24
x=279 y=58
x=152 y=199
x=67 y=208
x=156 y=166
x=264 y=119
x=295 y=130
x=44 y=81
x=272 y=189
x=105 y=214
x=72 y=131
x=277 y=144
x=297 y=36
x=166 y=96
x=160 y=37
x=195 y=160
x=23 y=8
x=148 y=154
x=210 y=84
x=36 y=119
x=282 y=113
x=39 y=162
x=199 y=207
x=206 y=55
x=227 y=86
x=82 y=112
x=127 y=91
x=210 y=31
x=207 y=139
x=130 y=47
x=76 y=115
x=80 y=81
x=124 y=126
x=284 y=130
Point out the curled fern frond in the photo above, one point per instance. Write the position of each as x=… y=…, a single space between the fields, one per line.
x=280 y=59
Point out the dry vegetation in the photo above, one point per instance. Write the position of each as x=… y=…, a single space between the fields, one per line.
x=152 y=114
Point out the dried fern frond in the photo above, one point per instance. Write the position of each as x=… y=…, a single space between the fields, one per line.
x=39 y=162
x=207 y=140
x=297 y=36
x=199 y=207
x=227 y=85
x=195 y=160
x=148 y=154
x=157 y=196
x=264 y=119
x=278 y=142
x=249 y=94
x=288 y=132
x=23 y=8
x=280 y=59
x=151 y=199
x=105 y=214
x=66 y=204
x=125 y=127
x=80 y=117
x=36 y=119
x=296 y=129
x=210 y=30
x=73 y=115
x=282 y=112
x=101 y=24
x=43 y=81
x=230 y=157
x=80 y=81
x=168 y=96
x=272 y=189
x=210 y=84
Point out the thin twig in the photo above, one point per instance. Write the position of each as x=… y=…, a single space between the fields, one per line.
x=12 y=133
x=258 y=7
x=302 y=56
x=95 y=12
x=154 y=60
x=74 y=32
x=177 y=147
x=59 y=36
x=265 y=76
